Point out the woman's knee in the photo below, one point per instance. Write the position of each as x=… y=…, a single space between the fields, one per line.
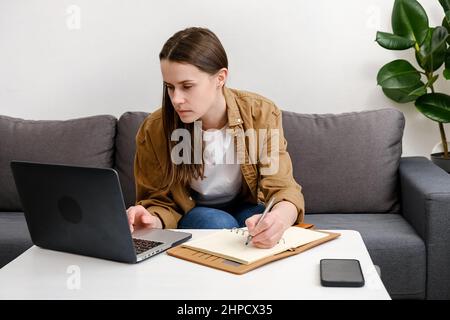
x=207 y=218
x=246 y=211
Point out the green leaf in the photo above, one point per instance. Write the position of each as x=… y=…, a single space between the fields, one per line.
x=433 y=50
x=446 y=24
x=409 y=20
x=435 y=106
x=398 y=74
x=447 y=59
x=446 y=74
x=445 y=4
x=393 y=42
x=406 y=94
x=418 y=92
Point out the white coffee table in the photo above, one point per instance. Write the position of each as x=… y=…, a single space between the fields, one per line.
x=46 y=274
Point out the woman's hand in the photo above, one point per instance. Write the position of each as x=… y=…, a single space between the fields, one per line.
x=271 y=229
x=139 y=218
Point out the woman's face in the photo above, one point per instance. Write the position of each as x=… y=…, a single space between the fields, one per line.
x=192 y=91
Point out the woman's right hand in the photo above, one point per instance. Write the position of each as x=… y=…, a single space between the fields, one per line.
x=139 y=218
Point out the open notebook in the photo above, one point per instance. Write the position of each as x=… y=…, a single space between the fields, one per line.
x=230 y=244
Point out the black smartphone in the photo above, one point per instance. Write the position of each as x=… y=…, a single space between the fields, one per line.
x=341 y=273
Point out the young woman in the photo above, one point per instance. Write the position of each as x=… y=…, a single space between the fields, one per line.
x=215 y=123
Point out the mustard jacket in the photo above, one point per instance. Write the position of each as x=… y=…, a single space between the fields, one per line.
x=245 y=110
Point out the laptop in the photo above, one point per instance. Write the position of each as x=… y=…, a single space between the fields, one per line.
x=81 y=210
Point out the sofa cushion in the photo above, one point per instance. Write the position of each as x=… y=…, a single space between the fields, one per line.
x=127 y=128
x=85 y=141
x=393 y=245
x=346 y=162
x=14 y=236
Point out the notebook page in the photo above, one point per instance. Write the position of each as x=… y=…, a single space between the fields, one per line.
x=230 y=244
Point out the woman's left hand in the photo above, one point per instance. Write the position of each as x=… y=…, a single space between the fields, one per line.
x=270 y=230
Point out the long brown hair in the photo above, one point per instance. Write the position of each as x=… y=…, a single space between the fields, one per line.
x=199 y=47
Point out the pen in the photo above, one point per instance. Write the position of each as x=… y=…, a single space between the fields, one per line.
x=268 y=207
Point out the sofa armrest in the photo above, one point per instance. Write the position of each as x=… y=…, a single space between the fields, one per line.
x=425 y=198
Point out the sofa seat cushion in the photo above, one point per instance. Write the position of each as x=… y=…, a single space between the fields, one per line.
x=393 y=245
x=14 y=236
x=85 y=141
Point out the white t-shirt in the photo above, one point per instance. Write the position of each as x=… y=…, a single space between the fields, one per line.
x=223 y=177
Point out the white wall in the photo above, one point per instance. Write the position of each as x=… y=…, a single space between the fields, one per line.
x=308 y=56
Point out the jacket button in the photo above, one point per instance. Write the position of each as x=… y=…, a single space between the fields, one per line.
x=238 y=120
x=190 y=198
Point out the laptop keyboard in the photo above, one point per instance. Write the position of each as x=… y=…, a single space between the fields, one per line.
x=144 y=245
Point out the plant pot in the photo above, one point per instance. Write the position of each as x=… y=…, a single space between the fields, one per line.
x=439 y=160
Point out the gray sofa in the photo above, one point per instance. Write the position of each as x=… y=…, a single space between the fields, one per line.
x=349 y=165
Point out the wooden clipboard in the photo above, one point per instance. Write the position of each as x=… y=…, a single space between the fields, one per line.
x=237 y=268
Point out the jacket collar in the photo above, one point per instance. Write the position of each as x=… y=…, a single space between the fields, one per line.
x=234 y=116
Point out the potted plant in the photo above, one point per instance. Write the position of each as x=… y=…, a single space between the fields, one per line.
x=402 y=82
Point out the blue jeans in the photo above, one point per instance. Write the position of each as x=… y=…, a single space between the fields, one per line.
x=233 y=216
